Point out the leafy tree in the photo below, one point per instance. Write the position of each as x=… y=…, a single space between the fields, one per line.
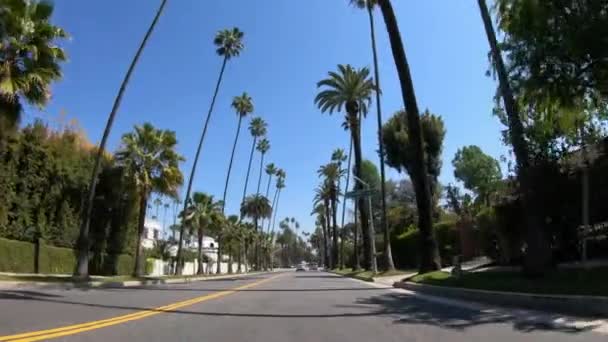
x=243 y=105
x=554 y=49
x=29 y=58
x=369 y=6
x=429 y=259
x=149 y=158
x=538 y=256
x=229 y=44
x=257 y=128
x=263 y=147
x=82 y=270
x=400 y=154
x=350 y=89
x=478 y=171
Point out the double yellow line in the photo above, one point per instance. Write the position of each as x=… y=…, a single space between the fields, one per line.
x=93 y=325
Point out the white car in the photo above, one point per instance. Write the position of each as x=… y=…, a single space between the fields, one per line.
x=300 y=268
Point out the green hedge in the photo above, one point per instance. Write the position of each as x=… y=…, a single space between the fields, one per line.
x=405 y=245
x=18 y=257
x=57 y=260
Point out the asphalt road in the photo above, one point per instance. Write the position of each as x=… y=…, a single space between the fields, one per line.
x=294 y=307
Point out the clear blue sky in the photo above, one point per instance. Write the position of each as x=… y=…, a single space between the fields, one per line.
x=289 y=46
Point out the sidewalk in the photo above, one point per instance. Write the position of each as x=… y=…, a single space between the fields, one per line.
x=106 y=282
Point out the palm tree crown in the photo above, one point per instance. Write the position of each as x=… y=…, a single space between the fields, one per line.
x=29 y=56
x=229 y=42
x=257 y=127
x=243 y=104
x=256 y=207
x=271 y=169
x=149 y=155
x=263 y=146
x=349 y=88
x=364 y=4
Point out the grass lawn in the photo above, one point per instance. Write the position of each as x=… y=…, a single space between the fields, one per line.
x=368 y=275
x=568 y=282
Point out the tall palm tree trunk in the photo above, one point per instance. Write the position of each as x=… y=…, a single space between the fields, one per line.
x=365 y=229
x=538 y=256
x=261 y=171
x=274 y=200
x=429 y=253
x=178 y=269
x=324 y=232
x=82 y=268
x=236 y=139
x=255 y=138
x=275 y=209
x=356 y=239
x=230 y=270
x=388 y=255
x=267 y=193
x=200 y=269
x=138 y=269
x=334 y=214
x=350 y=152
x=328 y=247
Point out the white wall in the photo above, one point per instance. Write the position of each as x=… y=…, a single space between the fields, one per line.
x=164 y=268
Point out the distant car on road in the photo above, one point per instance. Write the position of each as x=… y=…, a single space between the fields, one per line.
x=313 y=268
x=300 y=268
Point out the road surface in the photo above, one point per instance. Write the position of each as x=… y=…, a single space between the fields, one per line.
x=284 y=307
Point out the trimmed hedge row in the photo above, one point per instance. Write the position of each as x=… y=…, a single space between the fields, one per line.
x=19 y=257
x=405 y=245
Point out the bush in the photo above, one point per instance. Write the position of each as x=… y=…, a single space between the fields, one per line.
x=149 y=266
x=16 y=256
x=405 y=245
x=57 y=260
x=125 y=264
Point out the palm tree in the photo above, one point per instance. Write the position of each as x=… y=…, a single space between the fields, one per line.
x=29 y=58
x=320 y=211
x=332 y=173
x=280 y=174
x=243 y=106
x=149 y=158
x=429 y=254
x=271 y=169
x=231 y=236
x=338 y=156
x=82 y=269
x=539 y=256
x=280 y=186
x=256 y=207
x=257 y=128
x=263 y=147
x=229 y=44
x=369 y=6
x=201 y=213
x=350 y=89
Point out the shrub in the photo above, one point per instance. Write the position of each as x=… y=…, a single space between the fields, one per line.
x=149 y=265
x=57 y=260
x=16 y=256
x=405 y=245
x=124 y=264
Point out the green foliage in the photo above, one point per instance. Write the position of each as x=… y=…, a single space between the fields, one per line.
x=405 y=246
x=478 y=171
x=16 y=256
x=124 y=264
x=57 y=260
x=399 y=148
x=229 y=42
x=256 y=207
x=149 y=266
x=29 y=57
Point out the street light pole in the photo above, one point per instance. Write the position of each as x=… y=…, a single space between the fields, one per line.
x=374 y=265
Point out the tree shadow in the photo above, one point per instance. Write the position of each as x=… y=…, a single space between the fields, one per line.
x=401 y=308
x=407 y=309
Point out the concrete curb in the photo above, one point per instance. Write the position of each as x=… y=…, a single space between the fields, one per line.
x=369 y=280
x=568 y=304
x=8 y=285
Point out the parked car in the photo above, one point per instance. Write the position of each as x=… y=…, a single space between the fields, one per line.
x=300 y=268
x=313 y=268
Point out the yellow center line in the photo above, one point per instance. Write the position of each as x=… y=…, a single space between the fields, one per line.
x=93 y=325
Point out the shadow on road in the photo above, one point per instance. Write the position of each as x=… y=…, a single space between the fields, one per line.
x=401 y=308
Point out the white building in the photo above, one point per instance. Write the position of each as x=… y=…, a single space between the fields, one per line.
x=152 y=232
